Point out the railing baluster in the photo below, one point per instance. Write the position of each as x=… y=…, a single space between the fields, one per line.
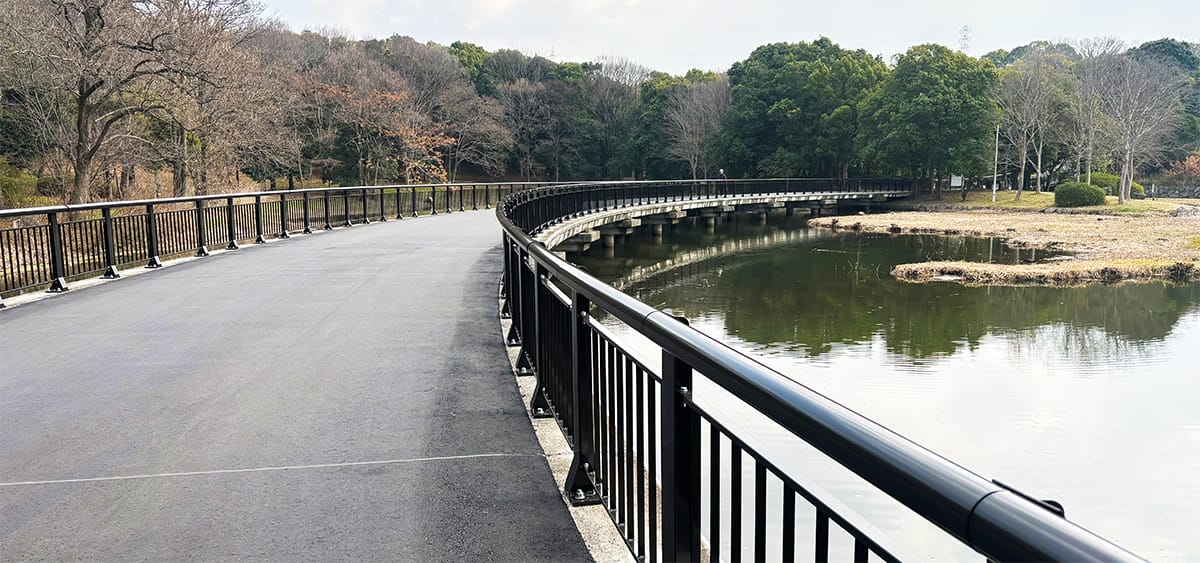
x=789 y=524
x=821 y=554
x=860 y=550
x=760 y=511
x=735 y=502
x=714 y=493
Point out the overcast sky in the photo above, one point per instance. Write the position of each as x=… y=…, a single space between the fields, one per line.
x=675 y=35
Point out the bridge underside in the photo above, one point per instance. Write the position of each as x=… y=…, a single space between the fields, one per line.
x=338 y=396
x=609 y=227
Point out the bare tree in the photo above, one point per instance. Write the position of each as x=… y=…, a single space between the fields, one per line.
x=693 y=114
x=1026 y=98
x=1143 y=101
x=477 y=137
x=611 y=91
x=525 y=112
x=1083 y=99
x=105 y=61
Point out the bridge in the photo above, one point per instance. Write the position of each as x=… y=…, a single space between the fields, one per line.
x=348 y=395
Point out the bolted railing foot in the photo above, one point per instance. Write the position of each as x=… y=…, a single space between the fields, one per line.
x=260 y=240
x=307 y=230
x=579 y=488
x=110 y=273
x=59 y=285
x=154 y=262
x=232 y=246
x=284 y=235
x=201 y=252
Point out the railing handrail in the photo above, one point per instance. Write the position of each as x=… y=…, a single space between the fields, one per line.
x=90 y=206
x=999 y=523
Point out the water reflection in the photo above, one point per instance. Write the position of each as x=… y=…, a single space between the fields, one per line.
x=1085 y=395
x=807 y=290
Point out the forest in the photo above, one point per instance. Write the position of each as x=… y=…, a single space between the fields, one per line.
x=121 y=99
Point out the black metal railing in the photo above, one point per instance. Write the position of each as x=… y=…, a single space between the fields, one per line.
x=48 y=247
x=642 y=444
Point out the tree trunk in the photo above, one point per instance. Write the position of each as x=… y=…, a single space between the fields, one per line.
x=1021 y=176
x=1038 y=147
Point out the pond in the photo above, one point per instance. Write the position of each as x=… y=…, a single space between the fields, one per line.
x=1084 y=395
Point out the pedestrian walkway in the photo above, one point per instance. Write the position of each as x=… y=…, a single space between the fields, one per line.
x=341 y=396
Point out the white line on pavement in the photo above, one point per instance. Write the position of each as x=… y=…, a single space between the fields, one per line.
x=263 y=469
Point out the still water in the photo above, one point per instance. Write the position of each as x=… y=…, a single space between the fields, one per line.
x=1088 y=396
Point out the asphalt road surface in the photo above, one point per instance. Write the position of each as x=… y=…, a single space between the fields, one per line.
x=342 y=396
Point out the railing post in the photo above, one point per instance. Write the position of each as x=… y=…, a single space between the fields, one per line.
x=58 y=277
x=461 y=207
x=110 y=247
x=680 y=463
x=433 y=200
x=526 y=293
x=579 y=486
x=230 y=224
x=414 y=202
x=538 y=405
x=283 y=216
x=515 y=330
x=152 y=238
x=487 y=197
x=382 y=210
x=346 y=203
x=328 y=223
x=260 y=236
x=201 y=232
x=307 y=215
x=366 y=209
x=475 y=197
x=399 y=210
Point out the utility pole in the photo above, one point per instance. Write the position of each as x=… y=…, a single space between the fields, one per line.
x=996 y=164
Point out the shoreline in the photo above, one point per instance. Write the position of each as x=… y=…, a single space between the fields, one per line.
x=1105 y=248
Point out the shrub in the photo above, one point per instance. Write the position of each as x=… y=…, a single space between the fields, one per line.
x=1107 y=181
x=16 y=187
x=1110 y=182
x=1077 y=194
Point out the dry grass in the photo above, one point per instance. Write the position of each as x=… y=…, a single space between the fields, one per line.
x=1033 y=201
x=1106 y=248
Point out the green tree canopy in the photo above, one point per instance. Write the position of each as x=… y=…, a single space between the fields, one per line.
x=935 y=114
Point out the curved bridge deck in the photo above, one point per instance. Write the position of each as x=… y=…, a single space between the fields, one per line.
x=337 y=396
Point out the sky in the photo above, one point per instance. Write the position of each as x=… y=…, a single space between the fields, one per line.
x=677 y=35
